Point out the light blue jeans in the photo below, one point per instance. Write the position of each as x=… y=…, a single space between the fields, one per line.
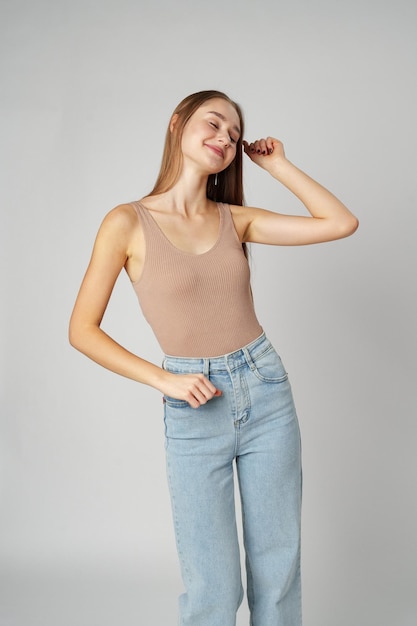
x=254 y=426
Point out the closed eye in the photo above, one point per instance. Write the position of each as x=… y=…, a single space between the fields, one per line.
x=216 y=126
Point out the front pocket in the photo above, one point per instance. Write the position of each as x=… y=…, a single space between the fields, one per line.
x=269 y=368
x=174 y=403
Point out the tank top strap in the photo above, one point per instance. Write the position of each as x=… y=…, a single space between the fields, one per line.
x=145 y=217
x=228 y=225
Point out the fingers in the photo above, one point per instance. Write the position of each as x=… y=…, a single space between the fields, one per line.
x=200 y=391
x=195 y=389
x=260 y=146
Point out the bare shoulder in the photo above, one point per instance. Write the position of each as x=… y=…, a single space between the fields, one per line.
x=121 y=232
x=122 y=218
x=119 y=226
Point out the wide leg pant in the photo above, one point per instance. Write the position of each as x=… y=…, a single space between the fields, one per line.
x=253 y=427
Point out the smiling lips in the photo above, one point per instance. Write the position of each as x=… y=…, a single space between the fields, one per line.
x=217 y=150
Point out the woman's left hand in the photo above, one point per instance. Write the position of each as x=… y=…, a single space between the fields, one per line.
x=265 y=152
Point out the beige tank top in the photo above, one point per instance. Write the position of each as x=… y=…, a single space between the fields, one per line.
x=198 y=305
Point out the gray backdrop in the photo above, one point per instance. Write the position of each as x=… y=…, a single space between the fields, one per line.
x=87 y=88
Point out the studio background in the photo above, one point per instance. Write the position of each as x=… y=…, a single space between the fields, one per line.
x=87 y=89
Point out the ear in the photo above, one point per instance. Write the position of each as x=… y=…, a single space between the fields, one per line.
x=174 y=120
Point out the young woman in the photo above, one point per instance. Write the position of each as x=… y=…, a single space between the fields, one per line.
x=227 y=397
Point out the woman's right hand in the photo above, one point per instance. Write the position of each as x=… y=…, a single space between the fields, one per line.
x=195 y=389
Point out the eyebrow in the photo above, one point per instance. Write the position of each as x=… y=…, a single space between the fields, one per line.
x=222 y=117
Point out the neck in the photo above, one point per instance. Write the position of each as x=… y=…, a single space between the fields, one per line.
x=189 y=194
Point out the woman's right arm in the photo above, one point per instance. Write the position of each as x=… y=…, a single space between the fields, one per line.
x=112 y=250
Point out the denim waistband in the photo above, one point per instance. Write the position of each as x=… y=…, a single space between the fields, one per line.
x=227 y=362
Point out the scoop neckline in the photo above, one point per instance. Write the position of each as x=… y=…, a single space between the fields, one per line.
x=191 y=254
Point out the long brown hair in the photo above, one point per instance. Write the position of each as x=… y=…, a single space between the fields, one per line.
x=229 y=187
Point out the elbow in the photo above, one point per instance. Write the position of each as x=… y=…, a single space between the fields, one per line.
x=73 y=337
x=354 y=225
x=76 y=336
x=349 y=226
x=82 y=335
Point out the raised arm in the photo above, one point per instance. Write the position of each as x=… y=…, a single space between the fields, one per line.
x=118 y=244
x=329 y=220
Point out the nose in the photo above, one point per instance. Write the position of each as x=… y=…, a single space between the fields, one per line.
x=224 y=138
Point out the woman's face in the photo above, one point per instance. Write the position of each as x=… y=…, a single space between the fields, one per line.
x=210 y=136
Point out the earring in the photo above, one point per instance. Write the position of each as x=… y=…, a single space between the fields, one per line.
x=215 y=179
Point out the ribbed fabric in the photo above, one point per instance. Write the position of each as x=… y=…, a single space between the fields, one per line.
x=198 y=305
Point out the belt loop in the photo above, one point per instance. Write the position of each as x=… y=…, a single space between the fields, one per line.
x=206 y=367
x=248 y=358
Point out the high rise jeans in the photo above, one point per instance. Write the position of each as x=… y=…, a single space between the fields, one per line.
x=252 y=426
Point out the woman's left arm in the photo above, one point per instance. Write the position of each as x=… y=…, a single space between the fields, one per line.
x=329 y=220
